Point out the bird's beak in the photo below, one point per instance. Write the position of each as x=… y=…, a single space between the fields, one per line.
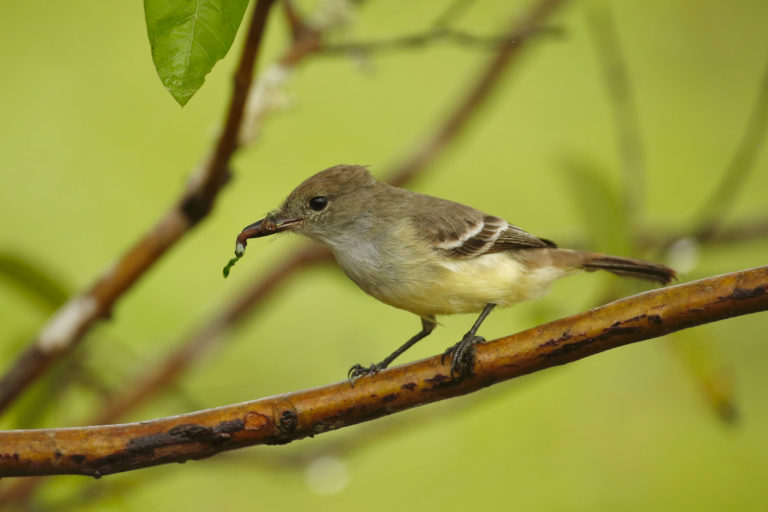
x=269 y=225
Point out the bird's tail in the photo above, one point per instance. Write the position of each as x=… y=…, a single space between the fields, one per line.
x=618 y=265
x=630 y=267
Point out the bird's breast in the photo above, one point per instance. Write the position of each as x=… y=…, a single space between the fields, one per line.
x=402 y=270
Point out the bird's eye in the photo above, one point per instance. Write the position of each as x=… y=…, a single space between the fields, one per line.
x=318 y=203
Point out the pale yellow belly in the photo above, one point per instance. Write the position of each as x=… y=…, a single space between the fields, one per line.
x=466 y=286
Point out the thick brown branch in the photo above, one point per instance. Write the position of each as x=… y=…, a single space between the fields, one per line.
x=79 y=314
x=102 y=450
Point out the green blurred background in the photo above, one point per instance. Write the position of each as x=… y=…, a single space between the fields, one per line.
x=94 y=150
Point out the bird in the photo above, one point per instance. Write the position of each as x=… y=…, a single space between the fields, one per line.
x=427 y=255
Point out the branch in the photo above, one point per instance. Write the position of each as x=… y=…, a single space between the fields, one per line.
x=102 y=450
x=75 y=318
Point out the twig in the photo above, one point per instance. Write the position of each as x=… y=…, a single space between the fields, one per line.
x=746 y=230
x=102 y=450
x=716 y=207
x=699 y=358
x=422 y=39
x=459 y=118
x=73 y=320
x=626 y=120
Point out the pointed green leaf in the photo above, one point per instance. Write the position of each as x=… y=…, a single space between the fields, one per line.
x=188 y=37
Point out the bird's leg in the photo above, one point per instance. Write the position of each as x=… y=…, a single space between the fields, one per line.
x=357 y=371
x=464 y=351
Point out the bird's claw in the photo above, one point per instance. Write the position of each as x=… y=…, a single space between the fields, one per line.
x=463 y=355
x=359 y=370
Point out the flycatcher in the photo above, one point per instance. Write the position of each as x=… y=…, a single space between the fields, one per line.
x=427 y=255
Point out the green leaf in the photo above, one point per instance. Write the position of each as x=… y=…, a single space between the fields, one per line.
x=188 y=37
x=37 y=283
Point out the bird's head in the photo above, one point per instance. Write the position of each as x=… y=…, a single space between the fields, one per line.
x=320 y=207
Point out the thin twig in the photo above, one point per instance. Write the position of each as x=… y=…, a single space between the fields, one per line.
x=714 y=210
x=700 y=360
x=459 y=118
x=101 y=450
x=623 y=107
x=73 y=320
x=423 y=39
x=746 y=230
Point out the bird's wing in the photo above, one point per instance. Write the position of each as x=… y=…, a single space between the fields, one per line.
x=491 y=234
x=459 y=231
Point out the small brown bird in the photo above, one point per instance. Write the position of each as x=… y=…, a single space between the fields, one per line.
x=427 y=255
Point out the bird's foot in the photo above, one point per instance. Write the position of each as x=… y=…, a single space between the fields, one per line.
x=359 y=370
x=463 y=355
